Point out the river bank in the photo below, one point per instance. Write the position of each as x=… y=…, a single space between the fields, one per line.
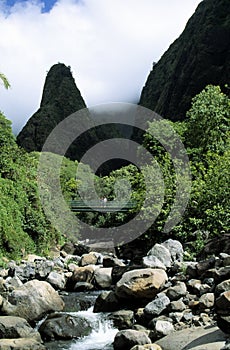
x=87 y=300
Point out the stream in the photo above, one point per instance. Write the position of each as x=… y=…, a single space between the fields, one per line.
x=102 y=331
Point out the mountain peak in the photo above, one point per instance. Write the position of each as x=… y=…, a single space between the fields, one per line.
x=200 y=56
x=60 y=98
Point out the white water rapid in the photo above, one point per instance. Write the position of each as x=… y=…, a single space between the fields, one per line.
x=101 y=336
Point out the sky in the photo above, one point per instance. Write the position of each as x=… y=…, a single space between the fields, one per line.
x=110 y=46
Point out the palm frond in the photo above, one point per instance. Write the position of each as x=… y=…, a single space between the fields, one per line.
x=4 y=80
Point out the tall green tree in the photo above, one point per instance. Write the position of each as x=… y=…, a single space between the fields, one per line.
x=208 y=121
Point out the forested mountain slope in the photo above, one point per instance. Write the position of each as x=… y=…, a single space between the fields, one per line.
x=200 y=56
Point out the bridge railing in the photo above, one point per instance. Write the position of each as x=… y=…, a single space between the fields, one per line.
x=91 y=206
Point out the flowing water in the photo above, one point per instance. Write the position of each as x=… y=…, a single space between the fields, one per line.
x=101 y=336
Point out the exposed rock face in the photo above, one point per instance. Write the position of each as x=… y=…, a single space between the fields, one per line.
x=60 y=98
x=200 y=56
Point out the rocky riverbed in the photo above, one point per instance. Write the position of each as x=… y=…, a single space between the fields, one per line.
x=162 y=303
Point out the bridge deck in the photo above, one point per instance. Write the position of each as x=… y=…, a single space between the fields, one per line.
x=109 y=207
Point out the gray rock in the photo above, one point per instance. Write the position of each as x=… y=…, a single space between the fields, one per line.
x=177 y=291
x=83 y=286
x=126 y=339
x=107 y=302
x=103 y=277
x=162 y=328
x=153 y=262
x=122 y=319
x=64 y=326
x=43 y=268
x=175 y=248
x=32 y=301
x=197 y=338
x=157 y=306
x=13 y=282
x=177 y=305
x=16 y=327
x=176 y=316
x=57 y=280
x=162 y=253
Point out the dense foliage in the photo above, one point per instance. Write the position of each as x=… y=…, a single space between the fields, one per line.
x=23 y=225
x=205 y=133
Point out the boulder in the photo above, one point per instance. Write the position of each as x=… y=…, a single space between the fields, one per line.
x=197 y=338
x=206 y=301
x=21 y=343
x=177 y=291
x=223 y=301
x=175 y=248
x=118 y=271
x=43 y=268
x=222 y=287
x=122 y=319
x=81 y=274
x=89 y=259
x=80 y=249
x=153 y=262
x=162 y=328
x=12 y=327
x=141 y=284
x=126 y=339
x=12 y=282
x=111 y=261
x=107 y=302
x=32 y=301
x=205 y=265
x=103 y=277
x=161 y=253
x=157 y=306
x=57 y=280
x=177 y=306
x=83 y=286
x=64 y=326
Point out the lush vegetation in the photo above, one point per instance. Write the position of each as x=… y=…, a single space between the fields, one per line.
x=205 y=133
x=23 y=225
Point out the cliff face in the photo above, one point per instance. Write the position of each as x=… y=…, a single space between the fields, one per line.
x=200 y=56
x=60 y=98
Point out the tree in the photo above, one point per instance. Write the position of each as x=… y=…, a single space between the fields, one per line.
x=208 y=121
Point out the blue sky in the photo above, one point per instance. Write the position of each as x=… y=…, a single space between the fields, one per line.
x=110 y=46
x=48 y=4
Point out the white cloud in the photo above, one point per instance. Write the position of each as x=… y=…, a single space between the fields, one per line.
x=109 y=44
